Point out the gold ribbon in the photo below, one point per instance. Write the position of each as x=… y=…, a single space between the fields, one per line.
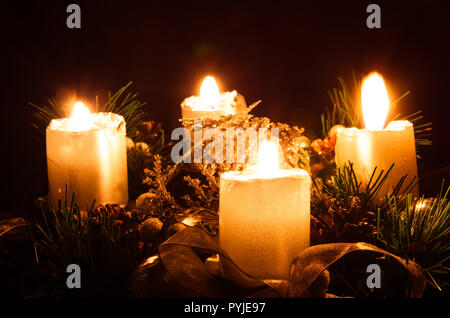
x=183 y=257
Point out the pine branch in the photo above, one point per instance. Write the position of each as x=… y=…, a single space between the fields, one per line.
x=344 y=210
x=420 y=230
x=94 y=239
x=346 y=108
x=128 y=106
x=345 y=185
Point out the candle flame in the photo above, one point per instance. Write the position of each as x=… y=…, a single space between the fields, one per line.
x=80 y=117
x=268 y=156
x=375 y=101
x=209 y=92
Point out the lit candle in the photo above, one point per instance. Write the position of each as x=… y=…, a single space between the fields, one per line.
x=87 y=151
x=211 y=103
x=377 y=146
x=264 y=215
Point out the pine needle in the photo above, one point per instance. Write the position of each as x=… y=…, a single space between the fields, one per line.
x=419 y=229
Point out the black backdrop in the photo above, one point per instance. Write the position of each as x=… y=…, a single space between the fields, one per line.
x=289 y=54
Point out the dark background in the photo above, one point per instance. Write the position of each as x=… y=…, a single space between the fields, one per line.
x=289 y=54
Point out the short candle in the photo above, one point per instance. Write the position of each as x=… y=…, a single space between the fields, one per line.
x=264 y=215
x=211 y=103
x=376 y=146
x=87 y=151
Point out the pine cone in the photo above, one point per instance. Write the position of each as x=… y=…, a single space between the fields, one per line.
x=112 y=209
x=150 y=229
x=120 y=216
x=337 y=221
x=322 y=154
x=149 y=131
x=324 y=147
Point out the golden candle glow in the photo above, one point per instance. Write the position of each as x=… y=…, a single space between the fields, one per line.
x=102 y=174
x=264 y=216
x=209 y=92
x=267 y=157
x=375 y=101
x=211 y=103
x=80 y=117
x=378 y=146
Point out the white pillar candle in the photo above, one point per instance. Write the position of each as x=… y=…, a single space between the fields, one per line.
x=88 y=153
x=377 y=147
x=211 y=103
x=264 y=215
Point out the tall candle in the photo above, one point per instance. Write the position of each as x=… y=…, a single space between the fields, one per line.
x=264 y=215
x=376 y=146
x=88 y=153
x=211 y=103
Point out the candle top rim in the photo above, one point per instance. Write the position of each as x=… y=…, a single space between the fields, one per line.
x=253 y=174
x=396 y=125
x=226 y=101
x=98 y=121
